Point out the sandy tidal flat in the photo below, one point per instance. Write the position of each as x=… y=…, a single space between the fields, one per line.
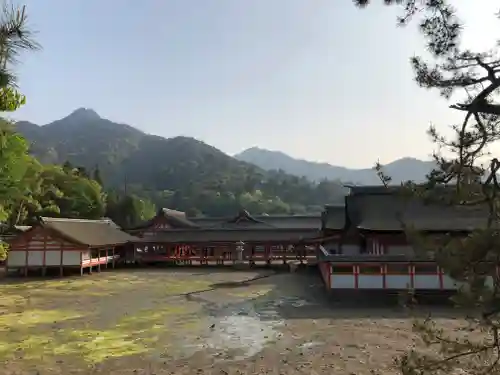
x=173 y=321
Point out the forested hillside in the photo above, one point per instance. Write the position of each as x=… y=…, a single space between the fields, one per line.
x=181 y=173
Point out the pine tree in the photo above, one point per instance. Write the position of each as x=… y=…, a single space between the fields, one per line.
x=473 y=259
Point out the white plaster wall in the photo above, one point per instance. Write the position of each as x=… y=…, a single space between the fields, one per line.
x=35 y=258
x=16 y=259
x=53 y=258
x=71 y=258
x=426 y=282
x=398 y=281
x=370 y=282
x=342 y=282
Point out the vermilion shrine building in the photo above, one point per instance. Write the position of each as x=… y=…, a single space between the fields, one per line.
x=172 y=236
x=58 y=243
x=358 y=245
x=374 y=252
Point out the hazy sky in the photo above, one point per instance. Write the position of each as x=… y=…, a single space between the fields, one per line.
x=320 y=80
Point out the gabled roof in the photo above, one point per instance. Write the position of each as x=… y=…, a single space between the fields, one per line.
x=390 y=210
x=88 y=232
x=245 y=221
x=176 y=219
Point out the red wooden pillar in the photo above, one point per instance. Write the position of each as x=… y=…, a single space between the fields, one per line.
x=98 y=260
x=251 y=258
x=81 y=263
x=267 y=253
x=202 y=254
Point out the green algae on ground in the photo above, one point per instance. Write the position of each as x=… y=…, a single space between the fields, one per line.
x=10 y=301
x=32 y=318
x=97 y=346
x=113 y=316
x=30 y=347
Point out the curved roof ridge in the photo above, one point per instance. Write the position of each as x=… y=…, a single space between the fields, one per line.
x=245 y=215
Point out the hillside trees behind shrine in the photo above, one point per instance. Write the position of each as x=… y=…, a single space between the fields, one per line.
x=470 y=168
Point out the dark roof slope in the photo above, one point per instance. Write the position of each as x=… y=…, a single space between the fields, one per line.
x=372 y=189
x=391 y=211
x=246 y=221
x=88 y=232
x=334 y=217
x=176 y=219
x=293 y=221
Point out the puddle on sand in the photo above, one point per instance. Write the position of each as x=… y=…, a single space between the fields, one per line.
x=309 y=345
x=238 y=331
x=243 y=331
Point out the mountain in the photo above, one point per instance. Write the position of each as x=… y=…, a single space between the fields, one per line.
x=181 y=173
x=400 y=170
x=83 y=138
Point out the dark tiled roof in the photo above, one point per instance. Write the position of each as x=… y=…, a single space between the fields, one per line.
x=246 y=221
x=88 y=232
x=388 y=212
x=228 y=235
x=177 y=219
x=243 y=221
x=294 y=221
x=334 y=217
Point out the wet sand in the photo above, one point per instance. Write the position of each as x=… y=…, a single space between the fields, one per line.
x=188 y=321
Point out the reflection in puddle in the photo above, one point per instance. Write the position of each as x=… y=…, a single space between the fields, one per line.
x=244 y=331
x=244 y=328
x=248 y=326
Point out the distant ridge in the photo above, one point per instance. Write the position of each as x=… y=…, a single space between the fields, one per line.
x=403 y=169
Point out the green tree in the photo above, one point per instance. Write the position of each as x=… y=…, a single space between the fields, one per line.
x=14 y=162
x=68 y=167
x=476 y=74
x=15 y=37
x=130 y=210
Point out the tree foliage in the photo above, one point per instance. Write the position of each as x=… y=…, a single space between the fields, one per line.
x=129 y=210
x=471 y=174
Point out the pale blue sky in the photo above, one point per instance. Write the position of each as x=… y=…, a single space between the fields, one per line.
x=320 y=80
